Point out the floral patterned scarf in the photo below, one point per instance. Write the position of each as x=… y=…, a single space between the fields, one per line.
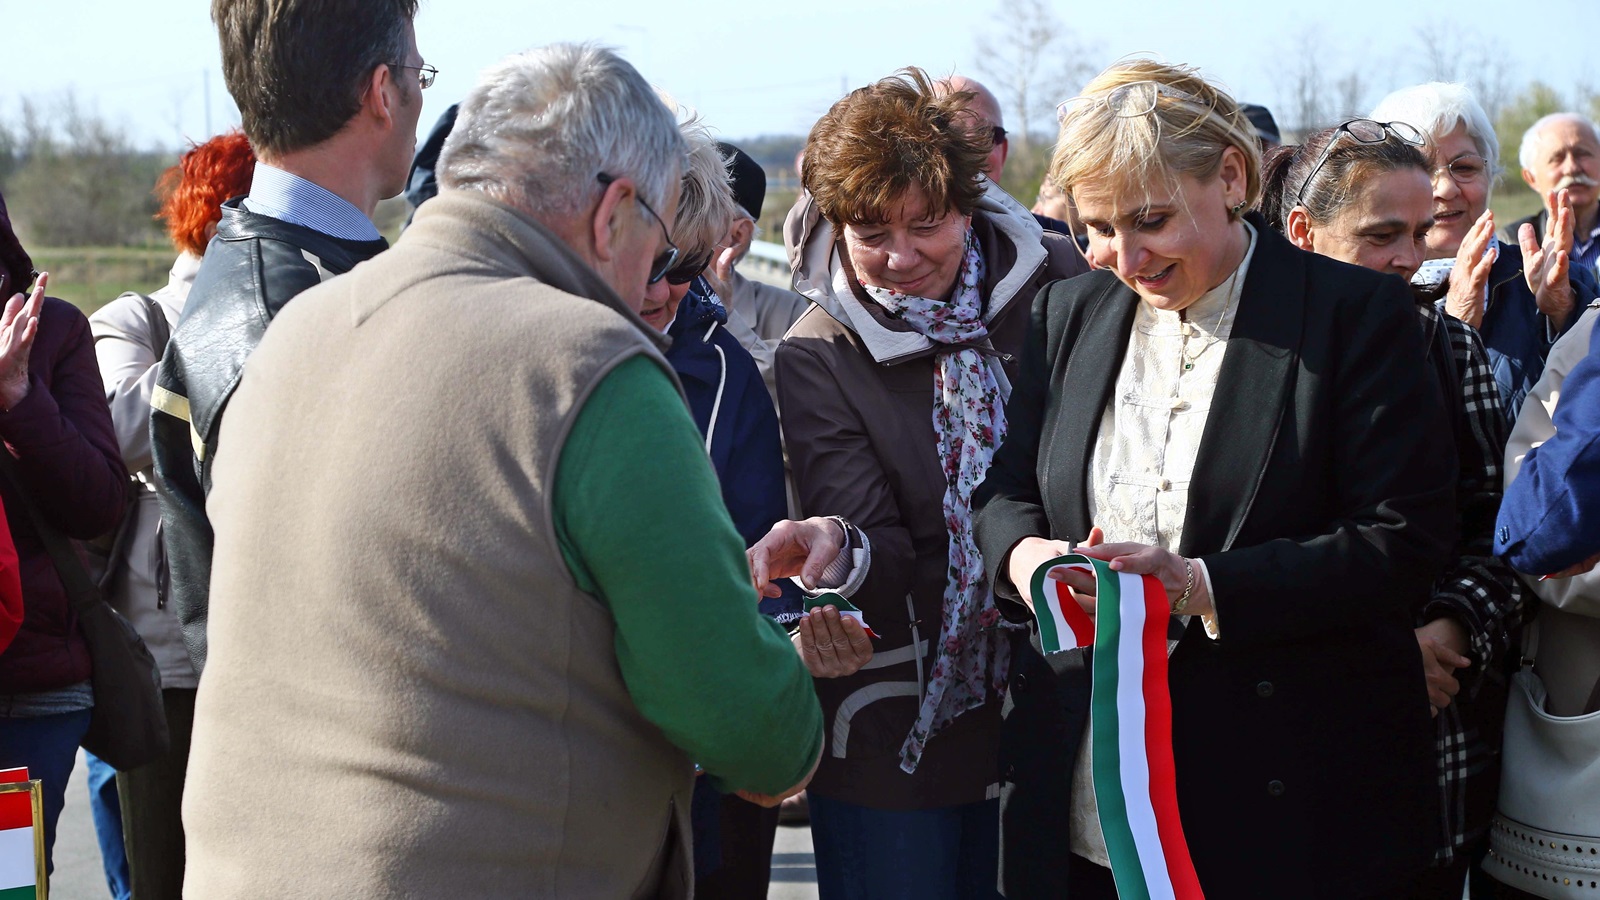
x=969 y=419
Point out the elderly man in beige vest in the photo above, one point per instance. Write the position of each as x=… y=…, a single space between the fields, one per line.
x=477 y=610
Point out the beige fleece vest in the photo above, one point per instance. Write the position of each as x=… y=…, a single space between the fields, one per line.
x=407 y=696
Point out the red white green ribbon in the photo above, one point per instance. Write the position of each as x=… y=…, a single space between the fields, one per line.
x=1130 y=716
x=843 y=605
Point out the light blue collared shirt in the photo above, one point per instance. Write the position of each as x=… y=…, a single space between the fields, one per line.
x=283 y=195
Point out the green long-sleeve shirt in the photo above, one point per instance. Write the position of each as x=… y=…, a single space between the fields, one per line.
x=641 y=524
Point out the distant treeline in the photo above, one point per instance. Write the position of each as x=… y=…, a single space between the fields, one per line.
x=73 y=178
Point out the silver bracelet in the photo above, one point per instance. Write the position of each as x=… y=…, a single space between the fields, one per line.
x=1188 y=588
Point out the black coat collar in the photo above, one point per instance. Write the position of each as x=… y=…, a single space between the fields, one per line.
x=1252 y=389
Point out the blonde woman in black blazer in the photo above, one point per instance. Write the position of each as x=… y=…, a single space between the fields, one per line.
x=1319 y=507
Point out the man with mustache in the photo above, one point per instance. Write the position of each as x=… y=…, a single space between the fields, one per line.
x=1562 y=152
x=1520 y=294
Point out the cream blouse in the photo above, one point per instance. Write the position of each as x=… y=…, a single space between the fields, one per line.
x=1144 y=456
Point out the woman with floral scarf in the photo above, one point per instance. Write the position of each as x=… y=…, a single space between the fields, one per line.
x=892 y=392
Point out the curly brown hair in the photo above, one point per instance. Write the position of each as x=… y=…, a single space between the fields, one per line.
x=882 y=139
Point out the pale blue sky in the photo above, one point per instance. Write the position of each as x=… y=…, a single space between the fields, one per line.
x=761 y=67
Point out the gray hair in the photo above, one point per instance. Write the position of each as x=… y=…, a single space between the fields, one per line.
x=706 y=208
x=540 y=127
x=1435 y=108
x=1531 y=136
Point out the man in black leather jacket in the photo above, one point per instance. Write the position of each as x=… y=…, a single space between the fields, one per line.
x=329 y=94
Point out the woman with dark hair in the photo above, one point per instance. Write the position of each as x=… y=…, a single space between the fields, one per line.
x=130 y=334
x=1247 y=425
x=890 y=395
x=62 y=460
x=1361 y=193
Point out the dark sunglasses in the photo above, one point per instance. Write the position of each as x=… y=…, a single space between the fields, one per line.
x=999 y=135
x=688 y=270
x=1365 y=131
x=662 y=264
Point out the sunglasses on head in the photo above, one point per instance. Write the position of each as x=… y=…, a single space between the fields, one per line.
x=661 y=266
x=1365 y=131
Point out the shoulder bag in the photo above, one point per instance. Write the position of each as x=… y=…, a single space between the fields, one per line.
x=1545 y=839
x=128 y=725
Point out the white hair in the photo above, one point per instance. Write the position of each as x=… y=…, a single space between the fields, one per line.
x=1436 y=108
x=541 y=126
x=1530 y=138
x=706 y=208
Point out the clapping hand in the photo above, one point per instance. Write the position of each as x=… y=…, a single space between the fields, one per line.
x=1545 y=266
x=1469 y=280
x=18 y=326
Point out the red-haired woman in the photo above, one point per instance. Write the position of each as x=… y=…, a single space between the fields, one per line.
x=130 y=334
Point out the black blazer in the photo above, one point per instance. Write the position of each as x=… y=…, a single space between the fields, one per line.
x=1322 y=504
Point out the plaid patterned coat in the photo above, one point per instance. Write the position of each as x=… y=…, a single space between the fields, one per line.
x=1478 y=590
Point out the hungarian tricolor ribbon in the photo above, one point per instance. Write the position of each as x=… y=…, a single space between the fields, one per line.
x=1130 y=716
x=843 y=605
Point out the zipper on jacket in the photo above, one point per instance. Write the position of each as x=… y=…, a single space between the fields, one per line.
x=916 y=641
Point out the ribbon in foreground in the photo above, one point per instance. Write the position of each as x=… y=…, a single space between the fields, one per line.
x=1130 y=716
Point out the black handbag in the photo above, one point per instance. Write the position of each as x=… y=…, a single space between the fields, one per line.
x=128 y=725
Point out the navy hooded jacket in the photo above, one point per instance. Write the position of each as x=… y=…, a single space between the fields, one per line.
x=731 y=406
x=1515 y=334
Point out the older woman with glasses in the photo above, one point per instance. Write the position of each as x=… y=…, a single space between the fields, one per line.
x=1361 y=193
x=730 y=404
x=891 y=390
x=1247 y=424
x=1521 y=296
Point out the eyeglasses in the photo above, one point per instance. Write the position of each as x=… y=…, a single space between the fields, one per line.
x=688 y=270
x=1464 y=170
x=662 y=264
x=425 y=73
x=1131 y=100
x=999 y=136
x=1365 y=131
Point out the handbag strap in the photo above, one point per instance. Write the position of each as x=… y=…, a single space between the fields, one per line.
x=81 y=589
x=1530 y=640
x=1530 y=653
x=160 y=331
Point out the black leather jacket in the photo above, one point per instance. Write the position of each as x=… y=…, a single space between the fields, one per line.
x=252 y=268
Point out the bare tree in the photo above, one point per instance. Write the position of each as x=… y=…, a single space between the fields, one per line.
x=1454 y=53
x=78 y=179
x=1311 y=96
x=1034 y=62
x=1351 y=94
x=1302 y=98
